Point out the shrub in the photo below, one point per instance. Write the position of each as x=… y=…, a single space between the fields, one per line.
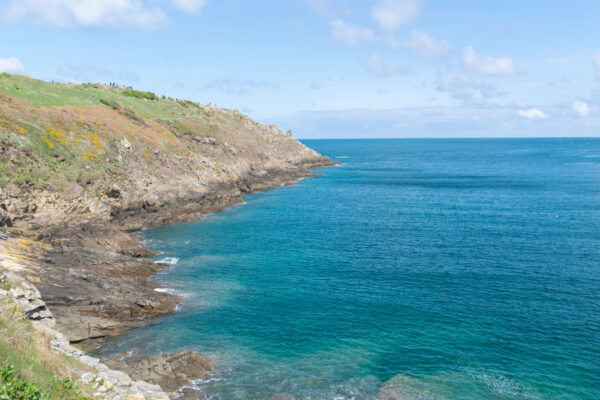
x=112 y=104
x=14 y=388
x=139 y=94
x=132 y=115
x=5 y=75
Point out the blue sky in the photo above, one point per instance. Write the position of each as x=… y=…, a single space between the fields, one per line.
x=332 y=68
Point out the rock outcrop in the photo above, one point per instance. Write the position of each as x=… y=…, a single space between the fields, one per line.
x=107 y=383
x=174 y=372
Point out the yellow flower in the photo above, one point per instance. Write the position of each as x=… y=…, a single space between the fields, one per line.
x=90 y=156
x=48 y=142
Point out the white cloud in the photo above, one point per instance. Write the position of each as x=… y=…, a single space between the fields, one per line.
x=580 y=108
x=381 y=68
x=91 y=13
x=391 y=14
x=349 y=34
x=596 y=63
x=190 y=6
x=532 y=113
x=426 y=46
x=480 y=64
x=11 y=64
x=465 y=87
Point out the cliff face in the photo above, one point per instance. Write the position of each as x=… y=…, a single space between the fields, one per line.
x=81 y=165
x=89 y=151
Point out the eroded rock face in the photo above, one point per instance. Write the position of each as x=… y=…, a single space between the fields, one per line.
x=92 y=278
x=171 y=371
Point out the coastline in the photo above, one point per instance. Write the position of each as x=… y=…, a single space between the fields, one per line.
x=79 y=176
x=90 y=304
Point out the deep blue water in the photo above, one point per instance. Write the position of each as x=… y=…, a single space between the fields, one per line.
x=469 y=267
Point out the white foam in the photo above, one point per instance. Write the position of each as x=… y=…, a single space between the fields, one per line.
x=172 y=291
x=168 y=260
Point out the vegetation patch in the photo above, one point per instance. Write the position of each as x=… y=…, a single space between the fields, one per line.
x=28 y=369
x=111 y=103
x=189 y=103
x=139 y=94
x=132 y=115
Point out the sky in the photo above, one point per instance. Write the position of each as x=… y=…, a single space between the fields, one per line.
x=332 y=68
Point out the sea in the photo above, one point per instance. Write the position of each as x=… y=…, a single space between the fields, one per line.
x=435 y=268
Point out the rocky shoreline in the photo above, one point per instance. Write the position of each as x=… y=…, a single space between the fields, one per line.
x=94 y=276
x=79 y=176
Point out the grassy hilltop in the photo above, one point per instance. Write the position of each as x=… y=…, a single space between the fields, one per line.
x=68 y=140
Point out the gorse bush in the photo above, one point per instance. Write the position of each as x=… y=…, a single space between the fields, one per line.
x=139 y=94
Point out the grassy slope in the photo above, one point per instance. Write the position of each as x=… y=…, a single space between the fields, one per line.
x=70 y=138
x=32 y=361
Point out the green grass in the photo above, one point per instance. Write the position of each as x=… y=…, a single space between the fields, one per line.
x=28 y=369
x=69 y=138
x=48 y=94
x=111 y=103
x=139 y=94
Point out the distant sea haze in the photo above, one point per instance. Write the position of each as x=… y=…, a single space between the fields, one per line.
x=439 y=269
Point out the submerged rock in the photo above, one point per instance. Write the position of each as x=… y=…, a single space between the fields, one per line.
x=402 y=387
x=171 y=371
x=282 y=396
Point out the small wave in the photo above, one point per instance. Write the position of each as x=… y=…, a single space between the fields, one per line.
x=342 y=157
x=172 y=291
x=291 y=183
x=168 y=260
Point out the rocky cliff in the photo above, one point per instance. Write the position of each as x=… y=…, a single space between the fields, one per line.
x=81 y=166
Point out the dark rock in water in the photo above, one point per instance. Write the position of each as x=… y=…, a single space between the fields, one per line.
x=402 y=387
x=282 y=396
x=170 y=371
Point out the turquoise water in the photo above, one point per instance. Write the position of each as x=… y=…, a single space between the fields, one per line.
x=469 y=267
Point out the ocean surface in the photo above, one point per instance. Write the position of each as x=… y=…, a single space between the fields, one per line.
x=467 y=269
